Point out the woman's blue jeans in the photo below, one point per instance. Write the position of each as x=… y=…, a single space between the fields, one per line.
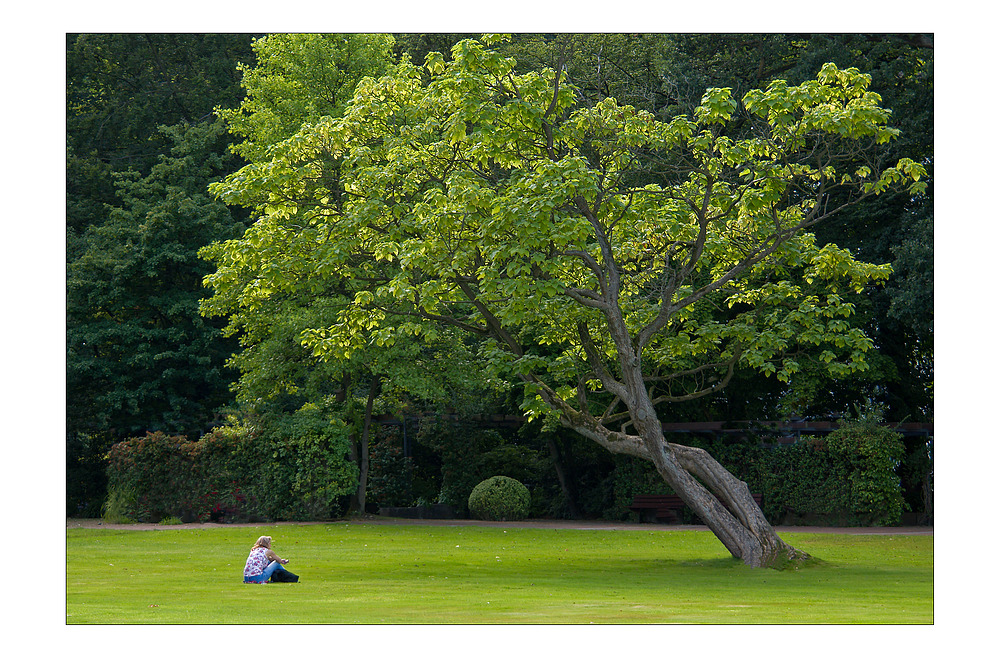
x=266 y=575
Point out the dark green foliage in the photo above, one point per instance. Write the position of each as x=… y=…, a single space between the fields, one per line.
x=139 y=358
x=121 y=87
x=86 y=477
x=292 y=469
x=850 y=477
x=873 y=455
x=916 y=472
x=499 y=498
x=467 y=452
x=808 y=484
x=139 y=355
x=390 y=474
x=586 y=486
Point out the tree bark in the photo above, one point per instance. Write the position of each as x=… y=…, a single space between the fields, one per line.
x=365 y=438
x=359 y=450
x=720 y=499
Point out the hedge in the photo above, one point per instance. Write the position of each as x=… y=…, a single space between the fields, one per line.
x=290 y=470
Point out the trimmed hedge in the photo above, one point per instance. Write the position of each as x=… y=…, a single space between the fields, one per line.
x=499 y=498
x=293 y=469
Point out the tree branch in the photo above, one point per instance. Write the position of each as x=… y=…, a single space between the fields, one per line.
x=705 y=391
x=495 y=327
x=597 y=364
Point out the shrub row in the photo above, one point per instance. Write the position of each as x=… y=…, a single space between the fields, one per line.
x=297 y=469
x=290 y=469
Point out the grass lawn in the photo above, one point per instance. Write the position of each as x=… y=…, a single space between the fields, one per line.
x=380 y=574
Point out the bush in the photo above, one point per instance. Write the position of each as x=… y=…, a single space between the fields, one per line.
x=873 y=455
x=290 y=469
x=310 y=457
x=499 y=498
x=468 y=452
x=151 y=477
x=847 y=478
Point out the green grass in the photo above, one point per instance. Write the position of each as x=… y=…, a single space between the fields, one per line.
x=375 y=574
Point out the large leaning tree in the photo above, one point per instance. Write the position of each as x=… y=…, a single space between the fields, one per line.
x=616 y=263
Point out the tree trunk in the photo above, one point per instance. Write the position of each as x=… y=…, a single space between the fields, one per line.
x=726 y=506
x=720 y=499
x=365 y=438
x=359 y=451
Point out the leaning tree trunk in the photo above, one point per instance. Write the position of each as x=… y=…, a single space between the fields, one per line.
x=726 y=506
x=720 y=499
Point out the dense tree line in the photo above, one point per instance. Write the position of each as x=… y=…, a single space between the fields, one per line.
x=142 y=145
x=152 y=120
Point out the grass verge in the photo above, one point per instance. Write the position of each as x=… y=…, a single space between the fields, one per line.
x=380 y=574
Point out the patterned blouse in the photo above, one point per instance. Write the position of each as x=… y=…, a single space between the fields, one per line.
x=256 y=562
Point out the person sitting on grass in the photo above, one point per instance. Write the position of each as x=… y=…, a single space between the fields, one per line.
x=262 y=562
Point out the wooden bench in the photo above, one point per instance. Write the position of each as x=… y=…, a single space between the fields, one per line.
x=665 y=508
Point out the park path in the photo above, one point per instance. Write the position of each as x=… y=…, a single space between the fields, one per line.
x=558 y=524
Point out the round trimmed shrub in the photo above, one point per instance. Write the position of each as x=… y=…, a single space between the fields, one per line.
x=499 y=498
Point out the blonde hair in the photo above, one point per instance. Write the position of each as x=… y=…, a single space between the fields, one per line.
x=264 y=541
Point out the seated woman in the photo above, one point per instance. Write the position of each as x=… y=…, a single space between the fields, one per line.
x=262 y=562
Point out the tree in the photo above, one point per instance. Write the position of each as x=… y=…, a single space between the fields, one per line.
x=269 y=299
x=120 y=90
x=617 y=263
x=139 y=356
x=298 y=78
x=667 y=74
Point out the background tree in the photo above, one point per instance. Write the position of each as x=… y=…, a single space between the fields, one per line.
x=136 y=358
x=507 y=213
x=120 y=88
x=140 y=357
x=297 y=78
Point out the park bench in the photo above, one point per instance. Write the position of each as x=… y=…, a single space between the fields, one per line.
x=664 y=508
